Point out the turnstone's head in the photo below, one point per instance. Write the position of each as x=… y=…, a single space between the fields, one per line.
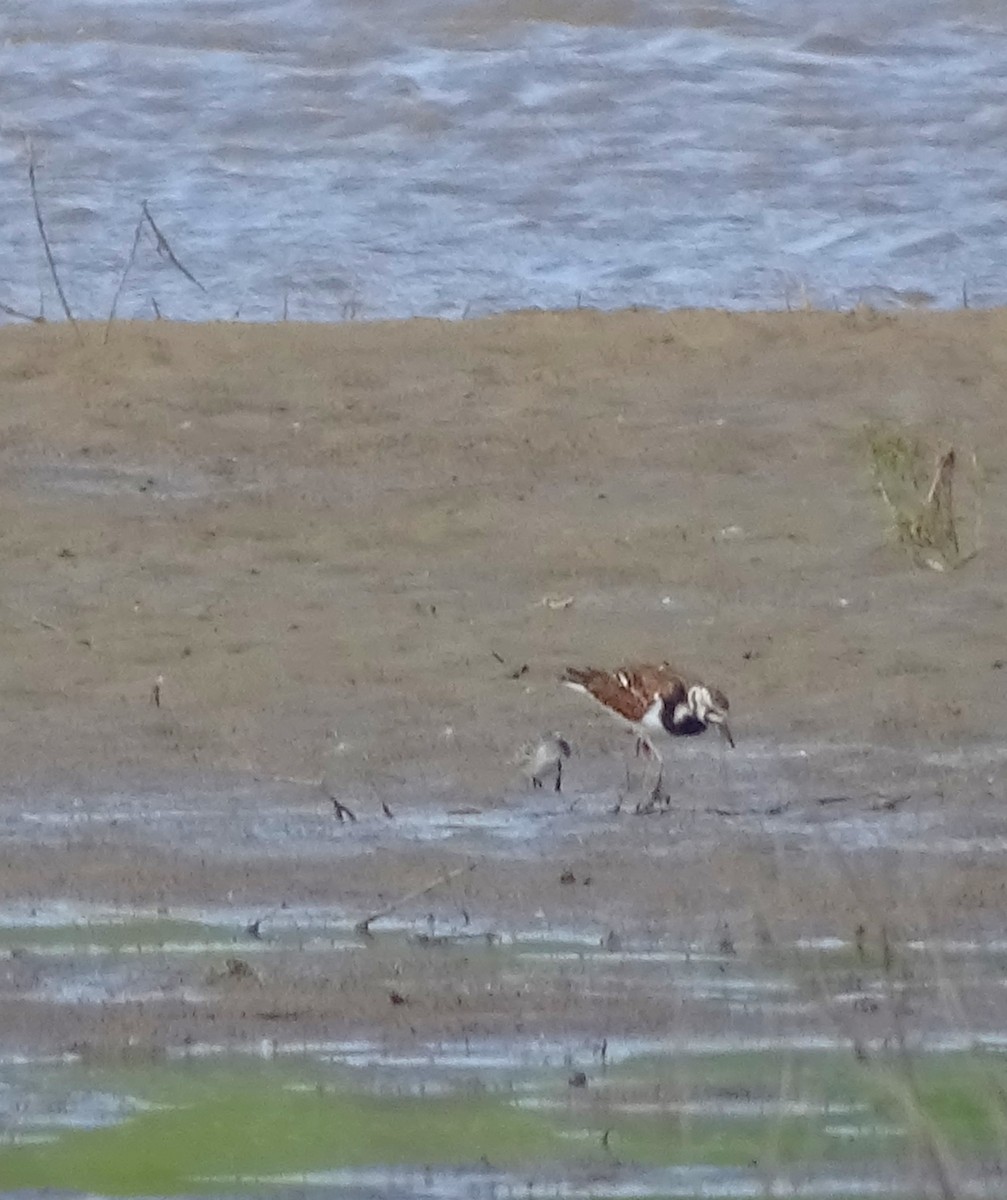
x=711 y=706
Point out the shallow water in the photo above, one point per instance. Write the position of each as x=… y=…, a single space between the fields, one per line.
x=760 y=1079
x=801 y=1123
x=337 y=160
x=829 y=797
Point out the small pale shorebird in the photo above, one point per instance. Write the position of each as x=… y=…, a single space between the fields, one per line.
x=544 y=758
x=654 y=699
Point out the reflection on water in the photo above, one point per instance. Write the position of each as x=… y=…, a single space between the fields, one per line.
x=341 y=159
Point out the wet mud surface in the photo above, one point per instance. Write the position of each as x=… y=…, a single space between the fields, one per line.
x=249 y=574
x=252 y=912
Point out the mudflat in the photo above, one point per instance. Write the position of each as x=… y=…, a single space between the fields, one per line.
x=249 y=569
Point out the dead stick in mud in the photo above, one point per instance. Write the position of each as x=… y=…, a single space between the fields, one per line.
x=45 y=244
x=343 y=811
x=774 y=810
x=46 y=625
x=363 y=926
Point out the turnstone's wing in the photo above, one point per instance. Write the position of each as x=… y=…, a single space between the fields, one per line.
x=629 y=693
x=658 y=679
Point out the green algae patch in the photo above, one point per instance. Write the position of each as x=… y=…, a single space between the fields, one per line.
x=958 y=1100
x=136 y=934
x=204 y=1126
x=200 y=1126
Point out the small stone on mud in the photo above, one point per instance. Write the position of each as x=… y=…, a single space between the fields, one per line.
x=577 y=1080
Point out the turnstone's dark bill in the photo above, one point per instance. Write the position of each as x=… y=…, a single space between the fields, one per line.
x=654 y=700
x=544 y=759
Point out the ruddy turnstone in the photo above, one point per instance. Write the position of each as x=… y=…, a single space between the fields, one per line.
x=544 y=758
x=654 y=699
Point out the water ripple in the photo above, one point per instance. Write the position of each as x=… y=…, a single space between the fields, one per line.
x=450 y=158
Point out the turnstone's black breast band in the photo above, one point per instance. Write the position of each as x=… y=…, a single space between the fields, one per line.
x=687 y=726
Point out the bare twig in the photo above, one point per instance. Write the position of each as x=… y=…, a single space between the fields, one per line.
x=774 y=810
x=879 y=804
x=978 y=479
x=939 y=501
x=892 y=804
x=910 y=1095
x=921 y=501
x=363 y=926
x=122 y=278
x=164 y=247
x=46 y=625
x=22 y=316
x=896 y=1075
x=45 y=244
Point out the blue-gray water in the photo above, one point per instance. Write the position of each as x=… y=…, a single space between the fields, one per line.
x=366 y=158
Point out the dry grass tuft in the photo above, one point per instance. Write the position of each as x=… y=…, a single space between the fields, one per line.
x=920 y=486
